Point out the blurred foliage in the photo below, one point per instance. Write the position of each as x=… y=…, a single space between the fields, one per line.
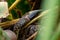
x=23 y=6
x=3 y=35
